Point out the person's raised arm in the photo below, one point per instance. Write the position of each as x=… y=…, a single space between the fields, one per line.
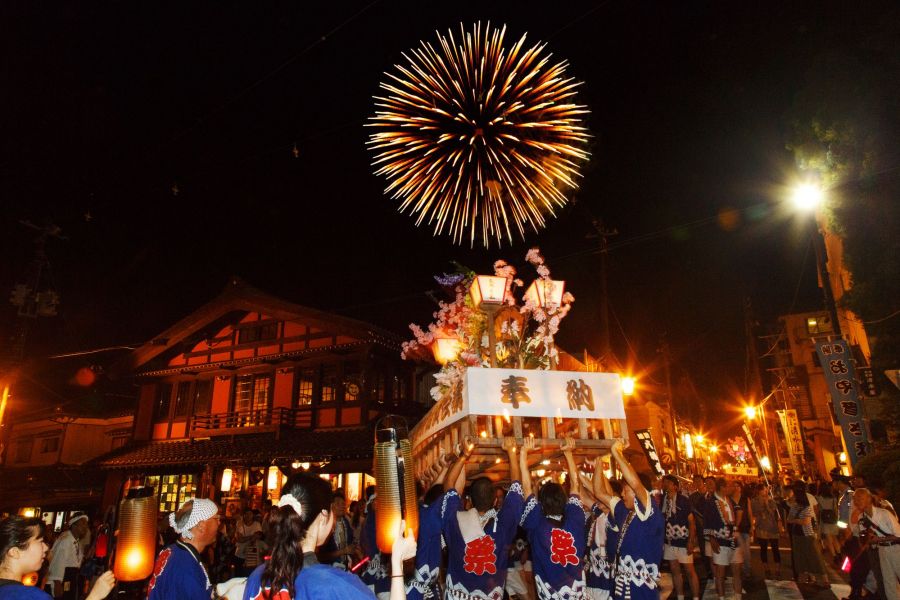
x=465 y=451
x=515 y=471
x=524 y=472
x=629 y=474
x=567 y=446
x=445 y=468
x=586 y=490
x=602 y=490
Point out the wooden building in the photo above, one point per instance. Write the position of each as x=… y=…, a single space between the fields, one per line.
x=250 y=388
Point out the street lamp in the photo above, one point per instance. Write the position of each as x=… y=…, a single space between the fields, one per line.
x=750 y=412
x=807 y=197
x=489 y=293
x=628 y=386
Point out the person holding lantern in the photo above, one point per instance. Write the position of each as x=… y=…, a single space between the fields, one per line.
x=556 y=531
x=478 y=539
x=301 y=522
x=22 y=552
x=639 y=547
x=179 y=572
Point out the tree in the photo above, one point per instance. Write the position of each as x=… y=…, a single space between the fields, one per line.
x=844 y=127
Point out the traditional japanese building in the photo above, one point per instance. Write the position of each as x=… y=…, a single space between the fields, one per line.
x=249 y=388
x=44 y=472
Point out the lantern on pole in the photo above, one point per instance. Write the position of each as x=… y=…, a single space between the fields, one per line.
x=396 y=497
x=488 y=290
x=446 y=348
x=136 y=546
x=546 y=293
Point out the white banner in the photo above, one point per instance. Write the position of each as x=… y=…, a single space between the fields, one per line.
x=532 y=393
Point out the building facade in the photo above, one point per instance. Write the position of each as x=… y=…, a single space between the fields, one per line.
x=46 y=470
x=250 y=388
x=797 y=383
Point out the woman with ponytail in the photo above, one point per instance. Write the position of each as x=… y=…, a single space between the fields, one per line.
x=300 y=523
x=22 y=552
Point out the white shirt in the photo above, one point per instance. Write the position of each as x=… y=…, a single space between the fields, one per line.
x=812 y=500
x=243 y=530
x=885 y=521
x=67 y=552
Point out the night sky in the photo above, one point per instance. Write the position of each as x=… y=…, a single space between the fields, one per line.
x=107 y=106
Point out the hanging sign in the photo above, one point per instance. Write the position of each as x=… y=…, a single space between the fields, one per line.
x=752 y=445
x=792 y=436
x=646 y=442
x=837 y=364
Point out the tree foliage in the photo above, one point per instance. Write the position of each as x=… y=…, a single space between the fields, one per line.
x=844 y=127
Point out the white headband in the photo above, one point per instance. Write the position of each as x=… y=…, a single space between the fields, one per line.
x=288 y=500
x=77 y=518
x=202 y=510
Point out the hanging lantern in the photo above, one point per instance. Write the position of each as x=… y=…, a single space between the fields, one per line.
x=136 y=545
x=273 y=480
x=227 y=476
x=396 y=497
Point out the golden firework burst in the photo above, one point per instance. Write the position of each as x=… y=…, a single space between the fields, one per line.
x=478 y=139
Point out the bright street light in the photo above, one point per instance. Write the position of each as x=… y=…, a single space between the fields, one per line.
x=628 y=386
x=750 y=412
x=807 y=197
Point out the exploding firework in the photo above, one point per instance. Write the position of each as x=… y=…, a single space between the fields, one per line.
x=477 y=139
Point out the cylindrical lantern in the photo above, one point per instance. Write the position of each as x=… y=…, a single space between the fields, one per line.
x=136 y=544
x=396 y=489
x=227 y=476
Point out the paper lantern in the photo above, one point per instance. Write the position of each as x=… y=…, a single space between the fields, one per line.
x=396 y=497
x=488 y=289
x=227 y=476
x=545 y=293
x=136 y=544
x=446 y=348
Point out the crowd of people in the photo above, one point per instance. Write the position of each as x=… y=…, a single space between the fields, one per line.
x=592 y=537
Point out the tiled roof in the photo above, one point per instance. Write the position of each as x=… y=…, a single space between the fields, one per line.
x=337 y=444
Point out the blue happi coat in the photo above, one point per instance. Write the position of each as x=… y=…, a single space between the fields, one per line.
x=477 y=567
x=178 y=573
x=557 y=547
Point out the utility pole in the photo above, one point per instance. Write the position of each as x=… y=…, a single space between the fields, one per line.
x=752 y=379
x=825 y=278
x=664 y=350
x=33 y=298
x=604 y=234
